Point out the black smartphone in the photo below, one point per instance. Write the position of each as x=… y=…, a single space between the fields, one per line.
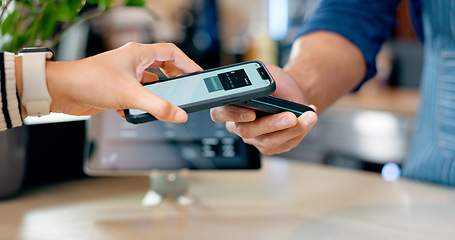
x=210 y=88
x=272 y=105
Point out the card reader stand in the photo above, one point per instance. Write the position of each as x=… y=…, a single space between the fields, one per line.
x=168 y=185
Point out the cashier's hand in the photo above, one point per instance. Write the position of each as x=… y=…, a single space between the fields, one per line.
x=272 y=134
x=112 y=80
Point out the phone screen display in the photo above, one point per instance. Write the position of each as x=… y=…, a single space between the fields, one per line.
x=227 y=81
x=211 y=84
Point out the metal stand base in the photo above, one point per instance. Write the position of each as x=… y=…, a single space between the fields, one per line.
x=172 y=185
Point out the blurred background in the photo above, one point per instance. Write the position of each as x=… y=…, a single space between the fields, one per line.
x=364 y=130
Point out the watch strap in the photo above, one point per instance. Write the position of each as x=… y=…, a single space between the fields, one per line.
x=35 y=95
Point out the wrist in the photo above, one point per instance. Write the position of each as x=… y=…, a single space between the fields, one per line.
x=326 y=67
x=18 y=72
x=35 y=97
x=303 y=77
x=53 y=76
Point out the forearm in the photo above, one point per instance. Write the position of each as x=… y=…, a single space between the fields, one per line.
x=326 y=66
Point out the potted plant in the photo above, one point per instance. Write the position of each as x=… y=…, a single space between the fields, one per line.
x=37 y=23
x=43 y=22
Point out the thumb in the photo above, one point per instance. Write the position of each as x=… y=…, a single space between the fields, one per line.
x=158 y=107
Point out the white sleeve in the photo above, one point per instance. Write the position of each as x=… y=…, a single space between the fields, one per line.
x=10 y=116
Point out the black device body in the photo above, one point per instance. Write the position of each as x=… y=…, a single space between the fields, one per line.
x=272 y=105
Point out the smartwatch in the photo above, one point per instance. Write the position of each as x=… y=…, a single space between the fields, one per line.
x=35 y=95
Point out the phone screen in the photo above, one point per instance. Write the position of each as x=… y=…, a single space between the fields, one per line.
x=210 y=84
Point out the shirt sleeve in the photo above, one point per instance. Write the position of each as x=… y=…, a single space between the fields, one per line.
x=10 y=111
x=367 y=24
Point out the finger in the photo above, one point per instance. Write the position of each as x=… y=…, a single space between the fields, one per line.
x=232 y=113
x=155 y=54
x=170 y=70
x=263 y=125
x=314 y=108
x=140 y=98
x=285 y=147
x=121 y=113
x=275 y=139
x=284 y=140
x=309 y=118
x=149 y=77
x=273 y=69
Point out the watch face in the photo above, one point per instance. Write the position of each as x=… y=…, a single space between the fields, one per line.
x=38 y=49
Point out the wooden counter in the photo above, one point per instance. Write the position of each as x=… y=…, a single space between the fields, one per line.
x=285 y=200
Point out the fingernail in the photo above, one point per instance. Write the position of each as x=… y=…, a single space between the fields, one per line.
x=287 y=121
x=246 y=117
x=310 y=119
x=180 y=116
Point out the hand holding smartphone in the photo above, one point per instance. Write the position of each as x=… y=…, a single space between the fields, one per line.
x=211 y=88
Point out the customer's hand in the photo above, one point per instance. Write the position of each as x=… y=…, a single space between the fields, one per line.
x=275 y=133
x=112 y=80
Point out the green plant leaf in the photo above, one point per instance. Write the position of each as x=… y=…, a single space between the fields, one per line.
x=75 y=5
x=13 y=46
x=103 y=5
x=48 y=21
x=134 y=3
x=93 y=1
x=6 y=42
x=24 y=40
x=8 y=23
x=25 y=2
x=63 y=12
x=30 y=33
